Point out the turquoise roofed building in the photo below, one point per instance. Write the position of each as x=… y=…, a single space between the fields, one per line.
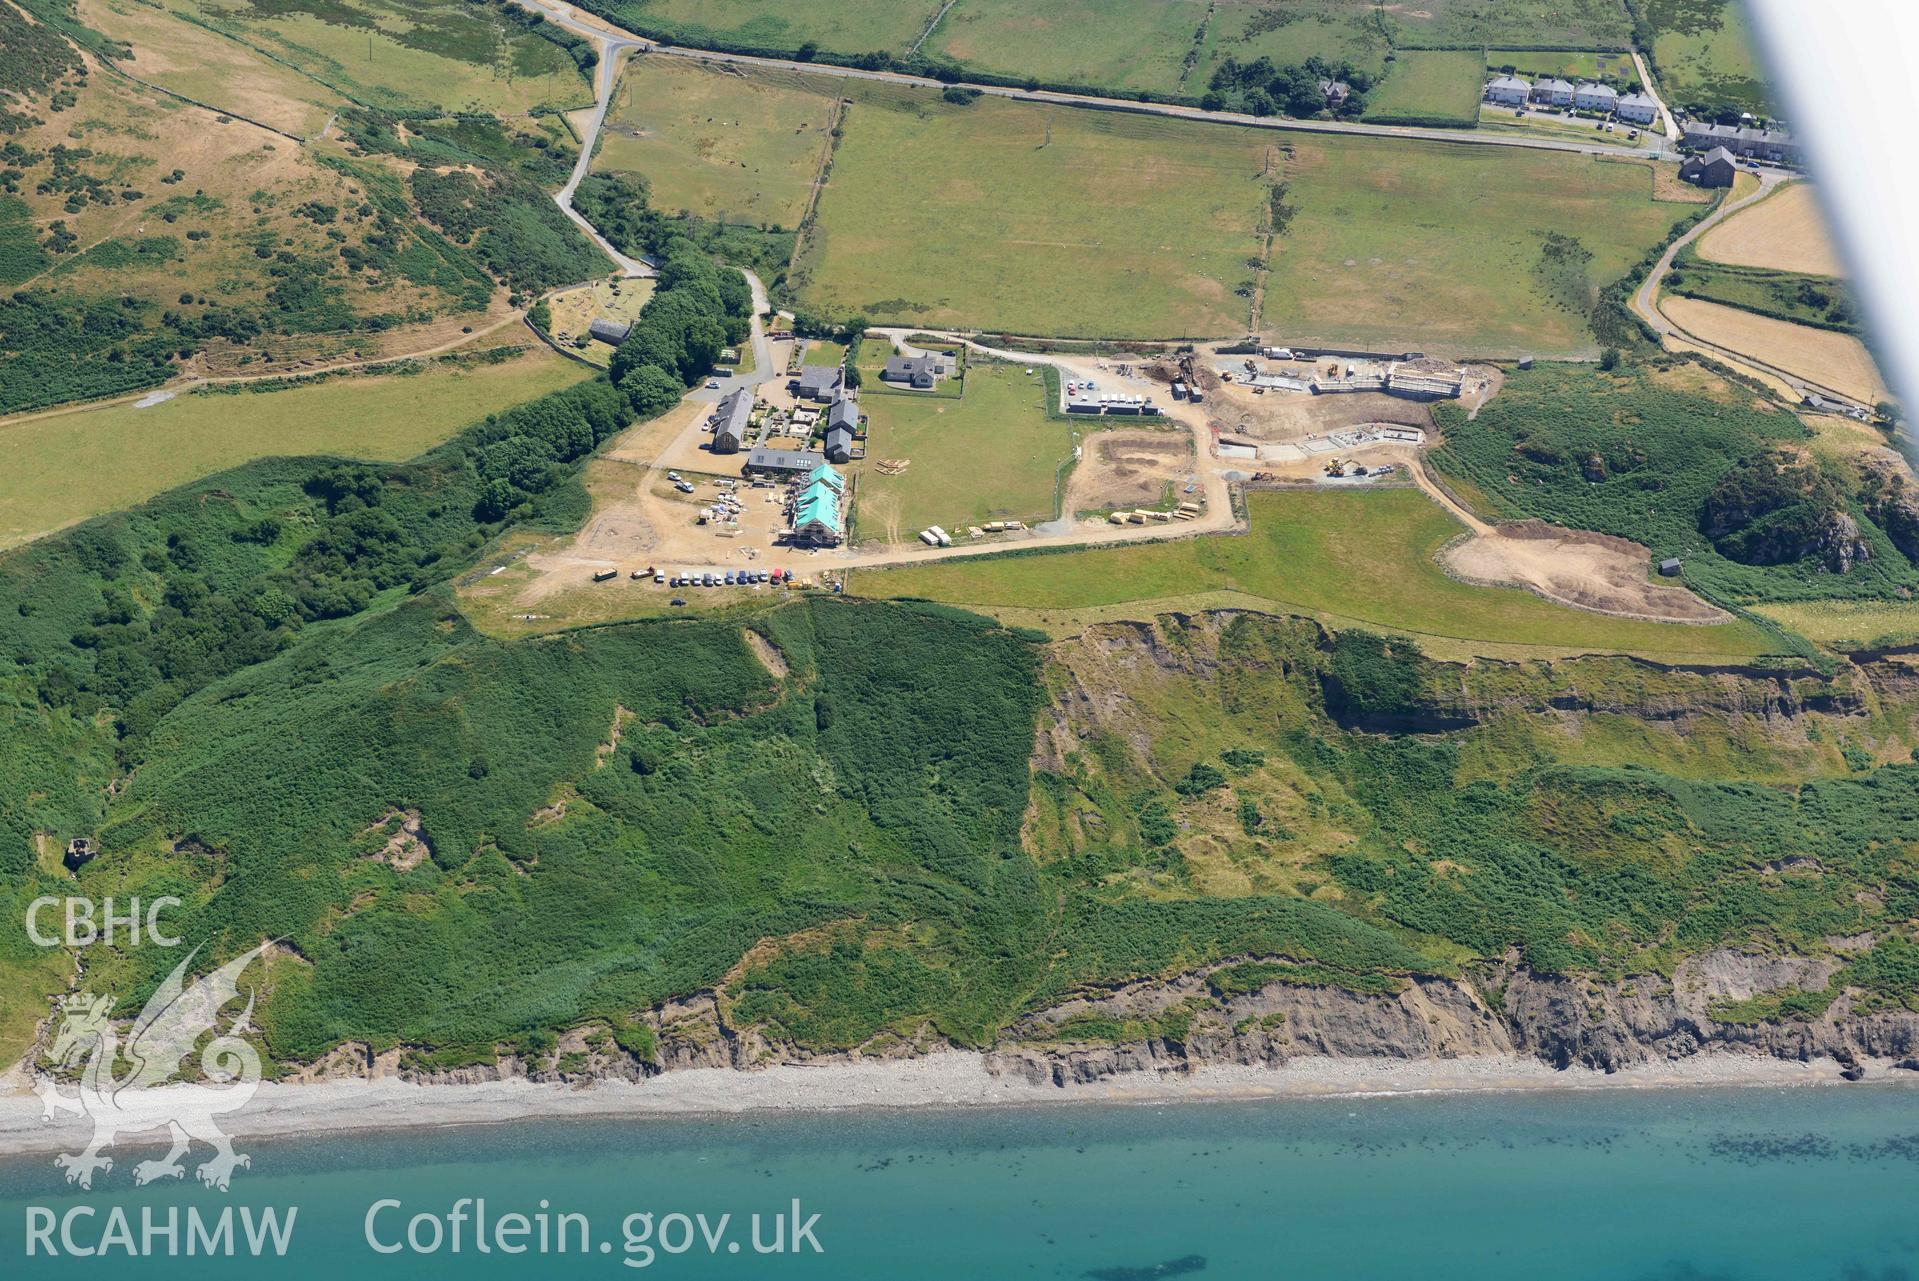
x=819 y=511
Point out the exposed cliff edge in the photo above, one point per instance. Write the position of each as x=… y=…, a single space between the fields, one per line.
x=1562 y=1022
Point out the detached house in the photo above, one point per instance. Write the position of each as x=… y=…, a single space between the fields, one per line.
x=917 y=372
x=1510 y=90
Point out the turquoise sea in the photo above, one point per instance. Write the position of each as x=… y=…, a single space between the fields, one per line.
x=1664 y=1185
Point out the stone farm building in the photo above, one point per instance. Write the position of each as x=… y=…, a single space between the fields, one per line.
x=1715 y=168
x=842 y=427
x=729 y=421
x=918 y=372
x=609 y=330
x=818 y=383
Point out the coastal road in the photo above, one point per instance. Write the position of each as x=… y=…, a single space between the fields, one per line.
x=606 y=75
x=596 y=28
x=1645 y=301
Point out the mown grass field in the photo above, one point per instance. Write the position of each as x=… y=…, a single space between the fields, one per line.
x=1038 y=220
x=445 y=55
x=1396 y=242
x=66 y=467
x=1615 y=68
x=735 y=147
x=1849 y=624
x=1117 y=44
x=1350 y=558
x=1599 y=24
x=1336 y=30
x=1703 y=54
x=1441 y=87
x=990 y=455
x=841 y=26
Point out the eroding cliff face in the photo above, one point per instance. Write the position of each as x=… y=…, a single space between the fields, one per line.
x=1564 y=1022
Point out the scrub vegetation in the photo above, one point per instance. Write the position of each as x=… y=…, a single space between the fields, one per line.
x=1704 y=473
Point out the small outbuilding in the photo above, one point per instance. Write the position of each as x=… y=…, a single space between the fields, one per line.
x=1670 y=567
x=1715 y=168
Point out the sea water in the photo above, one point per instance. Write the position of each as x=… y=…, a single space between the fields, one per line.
x=1679 y=1184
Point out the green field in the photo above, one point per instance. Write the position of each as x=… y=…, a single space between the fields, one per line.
x=1398 y=242
x=1615 y=69
x=67 y=467
x=1784 y=295
x=1437 y=88
x=444 y=55
x=1039 y=220
x=993 y=454
x=1704 y=57
x=1133 y=45
x=1247 y=30
x=1451 y=24
x=1355 y=558
x=783 y=26
x=737 y=148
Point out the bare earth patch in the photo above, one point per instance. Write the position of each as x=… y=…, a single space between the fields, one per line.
x=1586 y=570
x=1127 y=469
x=406 y=845
x=768 y=653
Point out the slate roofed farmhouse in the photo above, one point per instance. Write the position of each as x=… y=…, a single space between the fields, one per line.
x=819 y=383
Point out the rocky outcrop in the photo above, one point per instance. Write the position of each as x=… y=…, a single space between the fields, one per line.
x=1565 y=1022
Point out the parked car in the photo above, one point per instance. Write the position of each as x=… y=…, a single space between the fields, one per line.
x=678 y=601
